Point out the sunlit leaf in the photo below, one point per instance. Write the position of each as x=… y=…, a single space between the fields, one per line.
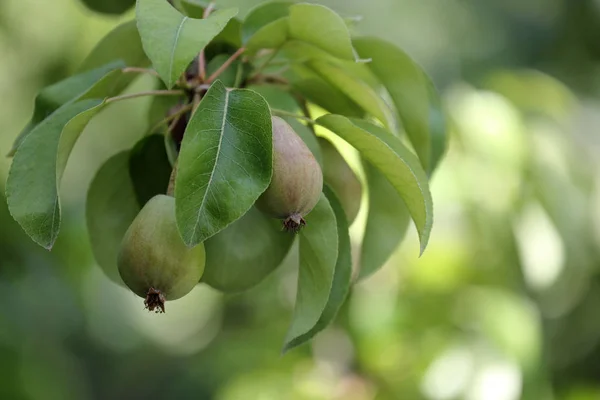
x=225 y=161
x=318 y=257
x=398 y=164
x=38 y=166
x=69 y=90
x=357 y=90
x=387 y=222
x=172 y=40
x=413 y=94
x=321 y=27
x=110 y=208
x=341 y=278
x=266 y=26
x=260 y=247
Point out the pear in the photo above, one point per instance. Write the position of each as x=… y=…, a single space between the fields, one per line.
x=153 y=260
x=341 y=179
x=297 y=180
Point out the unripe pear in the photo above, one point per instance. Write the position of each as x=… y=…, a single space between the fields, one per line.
x=342 y=180
x=154 y=262
x=297 y=180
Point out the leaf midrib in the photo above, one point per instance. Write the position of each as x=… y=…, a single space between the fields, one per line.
x=177 y=35
x=212 y=173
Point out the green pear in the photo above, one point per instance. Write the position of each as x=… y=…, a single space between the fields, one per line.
x=297 y=180
x=153 y=261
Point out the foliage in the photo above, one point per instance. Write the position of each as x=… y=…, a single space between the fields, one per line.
x=226 y=78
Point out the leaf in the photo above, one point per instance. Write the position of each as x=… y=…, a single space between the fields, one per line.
x=149 y=168
x=387 y=222
x=318 y=256
x=321 y=27
x=63 y=92
x=341 y=278
x=398 y=164
x=228 y=77
x=225 y=161
x=36 y=171
x=230 y=34
x=111 y=207
x=260 y=247
x=122 y=43
x=114 y=7
x=318 y=91
x=266 y=26
x=172 y=40
x=414 y=96
x=280 y=99
x=357 y=90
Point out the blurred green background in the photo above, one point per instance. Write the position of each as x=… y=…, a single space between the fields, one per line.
x=504 y=304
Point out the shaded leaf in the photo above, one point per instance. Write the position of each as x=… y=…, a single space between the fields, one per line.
x=225 y=161
x=149 y=168
x=228 y=77
x=266 y=26
x=342 y=274
x=271 y=36
x=414 y=96
x=114 y=7
x=318 y=257
x=230 y=34
x=110 y=208
x=387 y=222
x=172 y=40
x=398 y=164
x=69 y=90
x=321 y=27
x=260 y=247
x=38 y=166
x=357 y=90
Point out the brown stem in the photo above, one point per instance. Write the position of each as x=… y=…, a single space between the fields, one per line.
x=225 y=65
x=201 y=57
x=142 y=94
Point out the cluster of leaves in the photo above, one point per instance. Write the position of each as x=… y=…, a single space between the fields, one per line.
x=219 y=81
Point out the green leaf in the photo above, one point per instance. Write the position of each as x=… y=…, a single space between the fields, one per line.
x=321 y=27
x=69 y=90
x=110 y=208
x=113 y=7
x=225 y=163
x=318 y=257
x=318 y=91
x=414 y=96
x=266 y=26
x=260 y=247
x=357 y=90
x=122 y=43
x=38 y=166
x=172 y=40
x=280 y=99
x=149 y=168
x=228 y=77
x=387 y=222
x=230 y=34
x=341 y=278
x=398 y=164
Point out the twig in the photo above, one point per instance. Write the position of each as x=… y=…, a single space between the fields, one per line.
x=201 y=57
x=142 y=94
x=283 y=113
x=139 y=71
x=225 y=65
x=175 y=117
